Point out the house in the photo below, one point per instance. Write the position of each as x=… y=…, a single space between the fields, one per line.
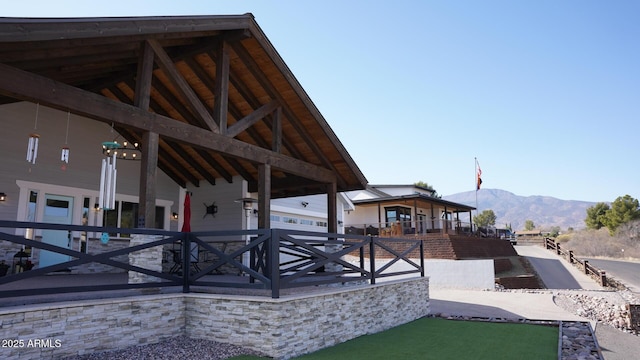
x=206 y=103
x=402 y=210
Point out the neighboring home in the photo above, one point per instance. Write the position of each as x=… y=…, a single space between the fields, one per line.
x=399 y=210
x=308 y=213
x=528 y=233
x=211 y=106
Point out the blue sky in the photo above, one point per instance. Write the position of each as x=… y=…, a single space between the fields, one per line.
x=545 y=94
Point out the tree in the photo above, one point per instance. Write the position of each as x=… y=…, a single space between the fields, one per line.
x=555 y=231
x=596 y=216
x=423 y=184
x=623 y=210
x=528 y=225
x=485 y=218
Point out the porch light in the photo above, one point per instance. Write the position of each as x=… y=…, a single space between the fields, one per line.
x=174 y=216
x=124 y=151
x=3 y=196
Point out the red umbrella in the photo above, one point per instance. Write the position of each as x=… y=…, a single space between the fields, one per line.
x=186 y=224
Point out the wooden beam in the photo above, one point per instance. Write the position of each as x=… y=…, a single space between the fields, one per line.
x=232 y=110
x=247 y=121
x=253 y=67
x=276 y=131
x=148 y=168
x=215 y=165
x=189 y=159
x=185 y=90
x=264 y=196
x=221 y=91
x=332 y=208
x=142 y=94
x=114 y=29
x=150 y=141
x=31 y=87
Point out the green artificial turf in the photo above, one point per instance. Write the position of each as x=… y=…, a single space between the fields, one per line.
x=435 y=338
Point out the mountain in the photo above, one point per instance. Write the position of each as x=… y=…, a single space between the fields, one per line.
x=544 y=211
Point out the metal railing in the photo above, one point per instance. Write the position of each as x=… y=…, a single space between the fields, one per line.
x=271 y=259
x=411 y=228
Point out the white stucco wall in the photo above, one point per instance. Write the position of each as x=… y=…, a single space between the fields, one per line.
x=452 y=274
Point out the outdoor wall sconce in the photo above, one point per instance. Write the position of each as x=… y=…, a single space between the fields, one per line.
x=174 y=216
x=210 y=210
x=96 y=207
x=3 y=196
x=305 y=204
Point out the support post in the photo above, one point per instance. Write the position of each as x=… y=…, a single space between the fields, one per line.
x=264 y=196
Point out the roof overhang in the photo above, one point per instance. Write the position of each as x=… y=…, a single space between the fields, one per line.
x=220 y=97
x=419 y=200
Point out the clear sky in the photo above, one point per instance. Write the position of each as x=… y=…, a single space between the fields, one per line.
x=545 y=94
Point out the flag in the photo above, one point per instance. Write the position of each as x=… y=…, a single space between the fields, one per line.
x=479 y=180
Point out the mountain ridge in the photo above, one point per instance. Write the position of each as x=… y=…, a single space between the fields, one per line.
x=515 y=210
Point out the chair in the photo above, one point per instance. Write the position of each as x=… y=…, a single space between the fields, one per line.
x=177 y=257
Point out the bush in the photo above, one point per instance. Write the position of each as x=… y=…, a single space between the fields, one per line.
x=591 y=243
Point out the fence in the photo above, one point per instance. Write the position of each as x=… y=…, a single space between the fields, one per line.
x=590 y=270
x=271 y=259
x=436 y=227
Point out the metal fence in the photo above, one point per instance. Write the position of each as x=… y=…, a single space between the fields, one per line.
x=268 y=259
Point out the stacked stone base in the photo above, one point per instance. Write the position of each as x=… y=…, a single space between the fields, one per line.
x=280 y=328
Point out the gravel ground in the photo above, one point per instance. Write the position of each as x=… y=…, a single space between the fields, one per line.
x=175 y=348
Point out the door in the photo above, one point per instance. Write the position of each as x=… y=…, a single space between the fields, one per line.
x=57 y=210
x=422 y=224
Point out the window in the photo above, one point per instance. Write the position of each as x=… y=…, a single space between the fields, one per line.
x=321 y=223
x=125 y=215
x=289 y=220
x=275 y=218
x=400 y=213
x=306 y=222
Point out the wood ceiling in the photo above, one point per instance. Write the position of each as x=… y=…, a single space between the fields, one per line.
x=221 y=98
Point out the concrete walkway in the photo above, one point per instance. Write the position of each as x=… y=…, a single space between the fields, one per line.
x=556 y=272
x=495 y=304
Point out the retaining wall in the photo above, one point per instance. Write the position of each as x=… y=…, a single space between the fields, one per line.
x=280 y=328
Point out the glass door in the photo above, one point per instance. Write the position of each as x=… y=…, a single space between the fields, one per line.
x=57 y=210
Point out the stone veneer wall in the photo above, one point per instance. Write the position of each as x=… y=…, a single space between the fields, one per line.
x=84 y=327
x=281 y=328
x=284 y=328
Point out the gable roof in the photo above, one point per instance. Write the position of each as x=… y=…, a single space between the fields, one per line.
x=415 y=199
x=90 y=67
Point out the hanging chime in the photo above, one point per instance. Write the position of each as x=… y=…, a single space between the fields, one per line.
x=64 y=156
x=32 y=146
x=108 y=175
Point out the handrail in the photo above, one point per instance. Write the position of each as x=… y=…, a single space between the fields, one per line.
x=278 y=258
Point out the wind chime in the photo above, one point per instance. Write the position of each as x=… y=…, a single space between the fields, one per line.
x=32 y=146
x=108 y=175
x=64 y=157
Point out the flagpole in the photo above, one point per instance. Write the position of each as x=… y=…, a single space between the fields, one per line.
x=475 y=182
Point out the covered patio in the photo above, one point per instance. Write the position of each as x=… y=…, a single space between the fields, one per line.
x=414 y=216
x=206 y=98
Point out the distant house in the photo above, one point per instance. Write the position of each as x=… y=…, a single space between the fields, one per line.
x=528 y=233
x=401 y=210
